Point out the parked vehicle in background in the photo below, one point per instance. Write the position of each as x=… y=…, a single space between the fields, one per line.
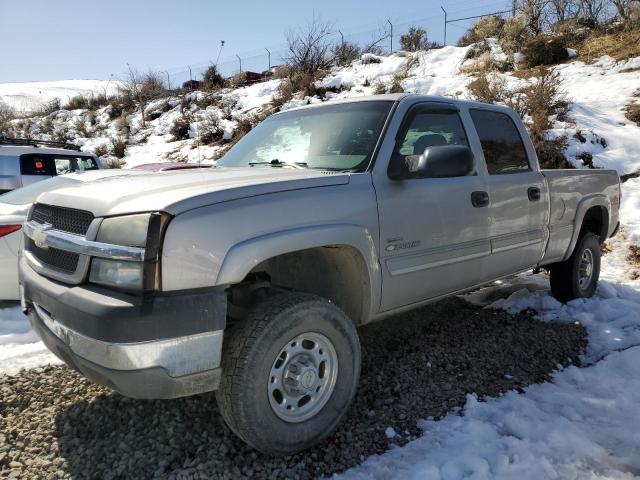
x=251 y=278
x=26 y=161
x=14 y=207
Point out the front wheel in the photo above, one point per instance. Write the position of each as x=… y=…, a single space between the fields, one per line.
x=289 y=373
x=578 y=276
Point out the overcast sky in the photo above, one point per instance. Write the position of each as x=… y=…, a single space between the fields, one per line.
x=89 y=39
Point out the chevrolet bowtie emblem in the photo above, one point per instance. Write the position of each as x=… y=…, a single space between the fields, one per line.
x=40 y=235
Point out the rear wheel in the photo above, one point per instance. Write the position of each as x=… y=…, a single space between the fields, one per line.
x=578 y=276
x=289 y=373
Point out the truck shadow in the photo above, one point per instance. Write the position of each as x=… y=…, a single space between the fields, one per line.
x=416 y=365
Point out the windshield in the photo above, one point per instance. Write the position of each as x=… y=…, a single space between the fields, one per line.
x=333 y=137
x=28 y=194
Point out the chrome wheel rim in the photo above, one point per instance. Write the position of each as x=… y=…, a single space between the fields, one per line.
x=302 y=377
x=585 y=269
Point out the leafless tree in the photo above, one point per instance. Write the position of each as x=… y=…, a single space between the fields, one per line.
x=625 y=8
x=309 y=47
x=142 y=88
x=534 y=13
x=563 y=10
x=591 y=11
x=344 y=53
x=373 y=46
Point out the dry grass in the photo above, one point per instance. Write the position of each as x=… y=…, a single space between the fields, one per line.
x=632 y=112
x=619 y=45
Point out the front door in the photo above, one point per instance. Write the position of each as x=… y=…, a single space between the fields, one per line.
x=433 y=240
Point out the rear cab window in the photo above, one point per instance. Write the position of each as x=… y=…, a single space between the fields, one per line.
x=52 y=164
x=502 y=145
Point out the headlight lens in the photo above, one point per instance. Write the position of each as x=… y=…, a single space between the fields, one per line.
x=130 y=230
x=144 y=230
x=113 y=273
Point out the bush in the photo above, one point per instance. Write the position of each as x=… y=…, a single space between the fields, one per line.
x=180 y=127
x=152 y=86
x=283 y=95
x=50 y=107
x=477 y=49
x=6 y=115
x=544 y=99
x=483 y=28
x=488 y=89
x=238 y=80
x=122 y=125
x=101 y=150
x=345 y=53
x=632 y=112
x=545 y=50
x=415 y=39
x=77 y=102
x=118 y=147
x=308 y=48
x=550 y=153
x=209 y=129
x=368 y=58
x=212 y=80
x=513 y=36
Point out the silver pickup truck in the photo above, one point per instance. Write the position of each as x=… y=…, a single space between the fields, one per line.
x=251 y=278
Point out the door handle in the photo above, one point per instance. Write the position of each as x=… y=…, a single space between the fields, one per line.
x=533 y=193
x=479 y=199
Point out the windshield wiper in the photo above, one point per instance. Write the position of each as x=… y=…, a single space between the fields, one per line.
x=277 y=163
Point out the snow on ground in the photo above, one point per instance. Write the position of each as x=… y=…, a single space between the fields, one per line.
x=29 y=96
x=20 y=347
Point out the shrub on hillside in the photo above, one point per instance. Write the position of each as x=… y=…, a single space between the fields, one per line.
x=345 y=53
x=101 y=150
x=77 y=102
x=6 y=115
x=545 y=50
x=632 y=112
x=180 y=127
x=238 y=80
x=513 y=36
x=483 y=28
x=544 y=99
x=209 y=128
x=477 y=49
x=50 y=107
x=308 y=48
x=118 y=147
x=415 y=39
x=211 y=79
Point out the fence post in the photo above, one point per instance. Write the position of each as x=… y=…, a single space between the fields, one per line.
x=240 y=61
x=444 y=43
x=269 y=55
x=390 y=36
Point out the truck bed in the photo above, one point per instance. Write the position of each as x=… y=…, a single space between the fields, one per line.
x=570 y=192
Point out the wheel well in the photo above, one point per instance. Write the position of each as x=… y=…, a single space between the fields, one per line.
x=596 y=220
x=336 y=272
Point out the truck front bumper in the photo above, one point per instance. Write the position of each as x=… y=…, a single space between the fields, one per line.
x=152 y=346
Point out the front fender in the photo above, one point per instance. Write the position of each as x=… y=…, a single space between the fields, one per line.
x=244 y=256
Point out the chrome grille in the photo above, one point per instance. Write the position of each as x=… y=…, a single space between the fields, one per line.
x=65 y=219
x=59 y=259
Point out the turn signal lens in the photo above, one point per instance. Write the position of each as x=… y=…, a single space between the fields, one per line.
x=7 y=229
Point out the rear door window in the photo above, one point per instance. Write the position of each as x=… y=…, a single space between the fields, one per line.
x=50 y=165
x=37 y=165
x=502 y=145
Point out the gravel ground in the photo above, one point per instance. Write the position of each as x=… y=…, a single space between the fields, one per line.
x=54 y=424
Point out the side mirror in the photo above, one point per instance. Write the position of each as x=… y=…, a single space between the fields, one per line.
x=440 y=162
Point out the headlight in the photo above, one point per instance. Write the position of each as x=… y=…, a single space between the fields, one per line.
x=144 y=230
x=130 y=230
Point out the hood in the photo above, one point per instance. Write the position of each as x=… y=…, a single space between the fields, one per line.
x=178 y=191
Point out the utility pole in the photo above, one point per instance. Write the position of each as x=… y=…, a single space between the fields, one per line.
x=168 y=80
x=240 y=61
x=513 y=8
x=269 y=56
x=390 y=36
x=444 y=43
x=190 y=76
x=341 y=37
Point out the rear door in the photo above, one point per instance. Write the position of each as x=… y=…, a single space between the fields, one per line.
x=517 y=191
x=433 y=240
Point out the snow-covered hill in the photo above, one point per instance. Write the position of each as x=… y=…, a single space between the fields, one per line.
x=582 y=424
x=30 y=96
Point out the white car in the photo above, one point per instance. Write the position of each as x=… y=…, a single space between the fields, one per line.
x=14 y=208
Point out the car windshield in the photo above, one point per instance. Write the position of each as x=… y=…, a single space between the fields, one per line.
x=332 y=137
x=28 y=194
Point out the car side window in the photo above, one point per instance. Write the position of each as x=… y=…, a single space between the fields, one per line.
x=427 y=127
x=37 y=165
x=502 y=145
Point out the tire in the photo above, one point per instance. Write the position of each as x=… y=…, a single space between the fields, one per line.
x=247 y=396
x=566 y=276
